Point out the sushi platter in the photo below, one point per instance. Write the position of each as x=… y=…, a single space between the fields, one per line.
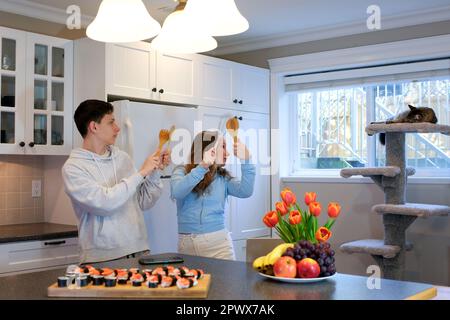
x=162 y=282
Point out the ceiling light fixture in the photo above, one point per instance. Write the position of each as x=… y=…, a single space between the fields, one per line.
x=122 y=21
x=182 y=33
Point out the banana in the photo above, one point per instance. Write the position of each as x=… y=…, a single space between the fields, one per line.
x=265 y=263
x=258 y=264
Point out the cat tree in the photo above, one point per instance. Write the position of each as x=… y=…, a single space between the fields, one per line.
x=398 y=215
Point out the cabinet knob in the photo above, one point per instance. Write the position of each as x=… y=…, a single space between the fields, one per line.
x=161 y=90
x=240 y=101
x=235 y=100
x=154 y=89
x=31 y=144
x=22 y=144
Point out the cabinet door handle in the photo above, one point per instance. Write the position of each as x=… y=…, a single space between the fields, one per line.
x=235 y=101
x=54 y=243
x=154 y=89
x=240 y=101
x=22 y=144
x=31 y=144
x=161 y=90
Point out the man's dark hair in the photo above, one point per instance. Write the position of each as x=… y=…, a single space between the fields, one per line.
x=91 y=110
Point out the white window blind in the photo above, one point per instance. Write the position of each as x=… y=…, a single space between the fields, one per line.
x=368 y=75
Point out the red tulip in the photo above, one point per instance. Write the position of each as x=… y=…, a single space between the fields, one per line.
x=288 y=197
x=295 y=217
x=323 y=234
x=271 y=219
x=281 y=208
x=334 y=209
x=315 y=208
x=310 y=197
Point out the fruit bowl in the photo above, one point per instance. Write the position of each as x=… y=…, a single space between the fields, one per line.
x=299 y=262
x=296 y=280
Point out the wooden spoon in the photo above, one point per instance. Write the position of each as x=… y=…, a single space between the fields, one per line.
x=233 y=127
x=164 y=137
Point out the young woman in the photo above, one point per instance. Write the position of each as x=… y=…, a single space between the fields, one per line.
x=201 y=189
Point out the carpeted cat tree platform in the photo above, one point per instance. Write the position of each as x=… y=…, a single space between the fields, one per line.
x=398 y=215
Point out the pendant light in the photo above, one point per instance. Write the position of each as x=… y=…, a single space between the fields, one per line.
x=182 y=33
x=122 y=21
x=219 y=17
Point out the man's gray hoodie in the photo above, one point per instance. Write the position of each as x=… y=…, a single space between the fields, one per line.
x=108 y=196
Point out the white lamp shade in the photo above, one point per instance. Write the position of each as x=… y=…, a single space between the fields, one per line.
x=122 y=21
x=181 y=34
x=220 y=17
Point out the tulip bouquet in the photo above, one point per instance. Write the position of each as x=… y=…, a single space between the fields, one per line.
x=293 y=224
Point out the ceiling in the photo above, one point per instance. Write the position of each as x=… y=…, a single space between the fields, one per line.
x=279 y=22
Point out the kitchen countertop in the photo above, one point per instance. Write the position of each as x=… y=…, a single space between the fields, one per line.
x=36 y=231
x=237 y=281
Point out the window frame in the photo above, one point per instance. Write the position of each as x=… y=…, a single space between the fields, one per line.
x=294 y=152
x=364 y=56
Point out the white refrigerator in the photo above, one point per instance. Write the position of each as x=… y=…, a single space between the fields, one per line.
x=140 y=124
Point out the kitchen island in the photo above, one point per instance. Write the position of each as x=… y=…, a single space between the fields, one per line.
x=233 y=280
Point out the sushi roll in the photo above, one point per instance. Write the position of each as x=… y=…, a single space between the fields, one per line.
x=160 y=271
x=97 y=280
x=63 y=282
x=185 y=283
x=153 y=281
x=134 y=270
x=168 y=281
x=106 y=272
x=81 y=281
x=183 y=271
x=174 y=272
x=200 y=273
x=137 y=280
x=110 y=281
x=122 y=277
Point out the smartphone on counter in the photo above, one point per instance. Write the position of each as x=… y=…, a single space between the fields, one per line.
x=160 y=260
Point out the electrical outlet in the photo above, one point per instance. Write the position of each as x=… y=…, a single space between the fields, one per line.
x=36 y=188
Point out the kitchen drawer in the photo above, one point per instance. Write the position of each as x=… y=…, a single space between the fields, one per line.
x=27 y=255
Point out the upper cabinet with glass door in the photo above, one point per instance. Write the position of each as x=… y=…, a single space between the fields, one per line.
x=49 y=95
x=12 y=91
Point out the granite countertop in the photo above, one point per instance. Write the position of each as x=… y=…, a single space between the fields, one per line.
x=36 y=231
x=233 y=280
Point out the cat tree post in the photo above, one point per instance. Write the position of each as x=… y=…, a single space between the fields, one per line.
x=389 y=253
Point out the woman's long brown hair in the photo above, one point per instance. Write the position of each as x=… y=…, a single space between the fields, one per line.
x=203 y=142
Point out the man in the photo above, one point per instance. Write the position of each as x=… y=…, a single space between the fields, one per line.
x=108 y=194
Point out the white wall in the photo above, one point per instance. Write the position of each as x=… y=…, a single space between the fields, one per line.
x=57 y=205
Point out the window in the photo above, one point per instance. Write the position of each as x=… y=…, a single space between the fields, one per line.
x=329 y=124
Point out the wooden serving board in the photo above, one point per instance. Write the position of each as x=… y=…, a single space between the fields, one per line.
x=128 y=291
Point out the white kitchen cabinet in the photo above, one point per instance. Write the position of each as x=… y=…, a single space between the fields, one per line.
x=244 y=216
x=12 y=90
x=37 y=95
x=227 y=84
x=30 y=255
x=135 y=70
x=49 y=95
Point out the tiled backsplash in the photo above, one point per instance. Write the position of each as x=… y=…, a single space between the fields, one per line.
x=16 y=203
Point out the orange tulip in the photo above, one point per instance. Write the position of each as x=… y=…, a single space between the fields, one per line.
x=295 y=217
x=310 y=197
x=281 y=208
x=271 y=219
x=323 y=234
x=315 y=208
x=288 y=197
x=334 y=209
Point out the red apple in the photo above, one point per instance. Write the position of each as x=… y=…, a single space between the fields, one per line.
x=308 y=268
x=285 y=267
